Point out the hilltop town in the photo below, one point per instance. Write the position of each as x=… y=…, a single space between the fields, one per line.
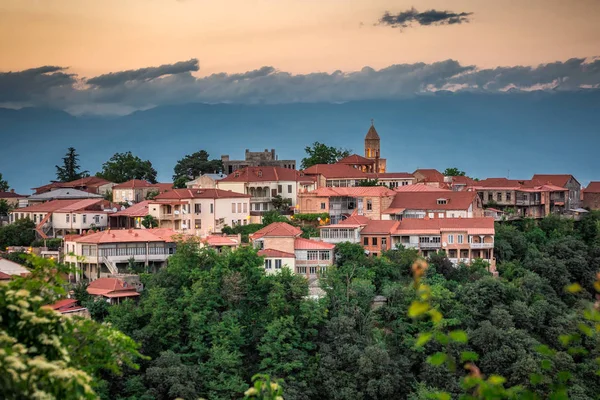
x=295 y=217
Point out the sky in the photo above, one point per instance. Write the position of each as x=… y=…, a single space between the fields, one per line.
x=118 y=56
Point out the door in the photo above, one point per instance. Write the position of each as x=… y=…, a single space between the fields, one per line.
x=360 y=206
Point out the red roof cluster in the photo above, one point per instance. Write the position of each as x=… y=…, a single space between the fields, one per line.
x=440 y=200
x=111 y=288
x=10 y=195
x=560 y=180
x=271 y=253
x=277 y=229
x=355 y=159
x=307 y=244
x=137 y=210
x=177 y=194
x=127 y=236
x=90 y=184
x=429 y=175
x=266 y=174
x=354 y=191
x=593 y=187
x=66 y=206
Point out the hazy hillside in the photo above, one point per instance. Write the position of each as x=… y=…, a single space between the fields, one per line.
x=483 y=134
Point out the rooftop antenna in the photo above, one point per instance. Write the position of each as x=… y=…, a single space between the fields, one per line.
x=372 y=122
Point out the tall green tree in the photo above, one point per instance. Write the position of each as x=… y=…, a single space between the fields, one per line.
x=453 y=172
x=3 y=184
x=20 y=233
x=70 y=169
x=123 y=167
x=193 y=165
x=320 y=153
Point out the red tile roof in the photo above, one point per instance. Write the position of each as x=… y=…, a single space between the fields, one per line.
x=356 y=191
x=128 y=236
x=372 y=134
x=111 y=287
x=430 y=175
x=177 y=194
x=62 y=304
x=270 y=253
x=137 y=210
x=217 y=240
x=336 y=171
x=277 y=229
x=419 y=187
x=355 y=159
x=474 y=226
x=10 y=195
x=379 y=227
x=390 y=175
x=64 y=205
x=4 y=277
x=265 y=174
x=593 y=187
x=429 y=200
x=89 y=182
x=133 y=184
x=307 y=244
x=463 y=180
x=558 y=179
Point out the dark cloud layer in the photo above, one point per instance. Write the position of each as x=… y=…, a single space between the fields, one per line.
x=144 y=74
x=127 y=91
x=35 y=83
x=407 y=18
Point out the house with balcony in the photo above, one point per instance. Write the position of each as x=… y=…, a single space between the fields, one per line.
x=200 y=212
x=521 y=198
x=136 y=190
x=376 y=236
x=342 y=202
x=57 y=218
x=564 y=181
x=434 y=204
x=463 y=239
x=347 y=230
x=263 y=184
x=222 y=243
x=130 y=217
x=112 y=290
x=280 y=242
x=107 y=253
x=335 y=175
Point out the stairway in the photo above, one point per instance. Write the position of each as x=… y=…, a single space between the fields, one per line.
x=111 y=267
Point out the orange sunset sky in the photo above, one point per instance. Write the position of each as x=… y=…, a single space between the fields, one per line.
x=93 y=37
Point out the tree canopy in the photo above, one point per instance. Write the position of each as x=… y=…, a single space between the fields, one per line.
x=193 y=165
x=320 y=153
x=3 y=184
x=70 y=169
x=453 y=172
x=123 y=167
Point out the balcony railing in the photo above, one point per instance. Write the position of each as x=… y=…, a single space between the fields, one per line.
x=482 y=245
x=430 y=245
x=410 y=245
x=260 y=199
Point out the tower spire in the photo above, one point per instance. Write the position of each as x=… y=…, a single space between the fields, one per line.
x=372 y=122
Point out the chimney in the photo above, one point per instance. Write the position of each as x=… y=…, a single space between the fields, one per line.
x=12 y=190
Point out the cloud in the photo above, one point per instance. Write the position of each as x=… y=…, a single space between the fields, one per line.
x=126 y=91
x=35 y=84
x=407 y=18
x=144 y=74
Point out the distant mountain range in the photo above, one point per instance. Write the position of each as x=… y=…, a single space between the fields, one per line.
x=484 y=134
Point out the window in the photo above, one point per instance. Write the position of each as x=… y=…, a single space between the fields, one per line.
x=369 y=205
x=84 y=218
x=277 y=264
x=431 y=215
x=265 y=206
x=374 y=241
x=301 y=270
x=239 y=207
x=232 y=207
x=324 y=256
x=312 y=255
x=440 y=215
x=490 y=196
x=197 y=208
x=198 y=223
x=442 y=201
x=244 y=222
x=237 y=174
x=67 y=217
x=96 y=219
x=267 y=264
x=34 y=218
x=322 y=206
x=374 y=254
x=366 y=241
x=450 y=239
x=245 y=208
x=260 y=174
x=289 y=188
x=279 y=189
x=212 y=206
x=499 y=196
x=460 y=239
x=508 y=196
x=470 y=239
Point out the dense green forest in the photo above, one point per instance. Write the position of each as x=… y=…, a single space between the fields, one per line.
x=210 y=322
x=207 y=323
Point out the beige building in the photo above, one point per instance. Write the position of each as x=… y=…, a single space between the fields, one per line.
x=206 y=181
x=432 y=204
x=200 y=212
x=136 y=190
x=263 y=184
x=11 y=198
